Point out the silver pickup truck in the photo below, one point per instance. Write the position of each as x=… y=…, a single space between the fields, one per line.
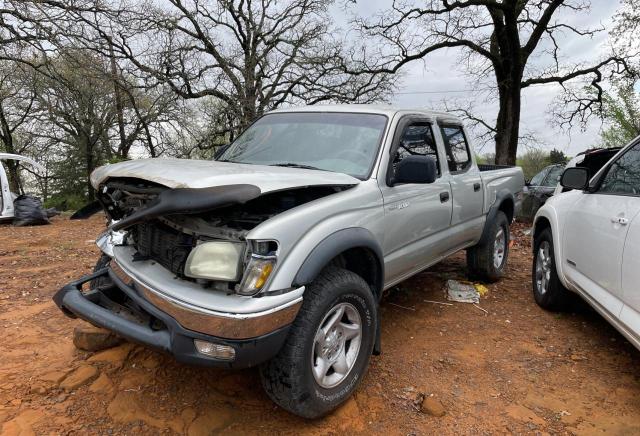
x=277 y=253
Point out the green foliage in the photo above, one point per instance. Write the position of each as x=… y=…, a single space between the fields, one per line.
x=621 y=114
x=534 y=161
x=557 y=157
x=66 y=201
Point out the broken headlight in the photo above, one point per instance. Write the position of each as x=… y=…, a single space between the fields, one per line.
x=219 y=260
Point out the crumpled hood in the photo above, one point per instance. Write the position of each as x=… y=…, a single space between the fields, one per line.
x=188 y=173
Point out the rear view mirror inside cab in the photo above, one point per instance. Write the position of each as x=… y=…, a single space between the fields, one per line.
x=575 y=178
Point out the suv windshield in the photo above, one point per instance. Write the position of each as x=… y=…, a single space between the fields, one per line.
x=340 y=142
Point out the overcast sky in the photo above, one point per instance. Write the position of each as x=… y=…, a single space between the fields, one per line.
x=424 y=84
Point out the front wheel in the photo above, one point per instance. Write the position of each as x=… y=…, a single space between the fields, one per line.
x=327 y=352
x=488 y=260
x=548 y=290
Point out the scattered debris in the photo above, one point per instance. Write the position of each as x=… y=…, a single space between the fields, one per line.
x=482 y=289
x=403 y=307
x=462 y=292
x=578 y=357
x=438 y=302
x=480 y=308
x=417 y=402
x=527 y=232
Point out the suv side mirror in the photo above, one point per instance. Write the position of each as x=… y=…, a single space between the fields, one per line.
x=575 y=178
x=416 y=169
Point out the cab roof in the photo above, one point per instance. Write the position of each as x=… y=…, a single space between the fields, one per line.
x=387 y=110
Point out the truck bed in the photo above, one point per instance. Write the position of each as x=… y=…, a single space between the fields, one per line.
x=499 y=178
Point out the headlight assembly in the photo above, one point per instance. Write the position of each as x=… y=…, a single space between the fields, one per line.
x=256 y=275
x=219 y=260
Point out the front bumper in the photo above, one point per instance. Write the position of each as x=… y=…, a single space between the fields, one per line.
x=146 y=322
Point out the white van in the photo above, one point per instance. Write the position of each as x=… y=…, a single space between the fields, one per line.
x=6 y=196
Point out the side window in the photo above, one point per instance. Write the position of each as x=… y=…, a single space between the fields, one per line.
x=417 y=139
x=554 y=176
x=538 y=178
x=455 y=144
x=623 y=176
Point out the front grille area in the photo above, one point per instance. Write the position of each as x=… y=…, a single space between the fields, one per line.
x=161 y=243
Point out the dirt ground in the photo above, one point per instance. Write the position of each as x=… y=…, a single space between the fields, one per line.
x=514 y=369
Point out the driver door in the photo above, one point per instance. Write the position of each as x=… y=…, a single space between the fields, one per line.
x=416 y=214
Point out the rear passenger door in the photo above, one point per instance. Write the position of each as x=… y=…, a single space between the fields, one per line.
x=466 y=184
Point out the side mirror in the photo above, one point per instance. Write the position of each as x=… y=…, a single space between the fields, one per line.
x=416 y=169
x=575 y=178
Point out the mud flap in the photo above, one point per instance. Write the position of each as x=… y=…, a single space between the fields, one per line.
x=377 y=345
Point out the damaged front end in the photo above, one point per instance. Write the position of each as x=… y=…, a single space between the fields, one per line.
x=200 y=234
x=183 y=270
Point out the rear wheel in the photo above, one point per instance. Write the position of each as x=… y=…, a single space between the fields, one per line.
x=548 y=290
x=328 y=349
x=488 y=259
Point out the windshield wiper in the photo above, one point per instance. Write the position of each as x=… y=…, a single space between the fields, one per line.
x=295 y=165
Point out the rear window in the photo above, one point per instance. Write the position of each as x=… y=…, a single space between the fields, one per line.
x=456 y=147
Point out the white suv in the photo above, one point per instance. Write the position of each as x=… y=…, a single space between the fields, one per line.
x=588 y=241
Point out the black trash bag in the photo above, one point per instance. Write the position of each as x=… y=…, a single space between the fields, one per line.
x=28 y=211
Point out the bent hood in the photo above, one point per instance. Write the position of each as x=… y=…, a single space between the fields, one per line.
x=188 y=173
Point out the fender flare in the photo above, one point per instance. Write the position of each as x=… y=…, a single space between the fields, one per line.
x=330 y=247
x=334 y=244
x=501 y=197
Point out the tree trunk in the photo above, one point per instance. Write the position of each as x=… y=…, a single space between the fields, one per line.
x=123 y=148
x=6 y=135
x=90 y=165
x=508 y=123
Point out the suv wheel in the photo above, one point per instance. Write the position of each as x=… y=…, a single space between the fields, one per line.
x=489 y=259
x=548 y=290
x=328 y=348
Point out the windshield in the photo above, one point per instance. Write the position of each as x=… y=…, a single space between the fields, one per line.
x=340 y=142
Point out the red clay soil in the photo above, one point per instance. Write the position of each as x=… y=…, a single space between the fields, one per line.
x=515 y=369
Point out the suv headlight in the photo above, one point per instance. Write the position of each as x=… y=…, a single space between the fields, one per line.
x=219 y=260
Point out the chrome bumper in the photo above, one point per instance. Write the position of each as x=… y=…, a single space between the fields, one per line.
x=214 y=323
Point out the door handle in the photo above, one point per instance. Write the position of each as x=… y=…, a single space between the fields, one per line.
x=476 y=187
x=444 y=197
x=620 y=220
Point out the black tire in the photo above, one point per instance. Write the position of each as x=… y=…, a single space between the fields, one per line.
x=480 y=258
x=555 y=297
x=102 y=262
x=288 y=377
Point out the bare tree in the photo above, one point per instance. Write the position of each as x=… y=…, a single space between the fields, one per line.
x=498 y=39
x=16 y=104
x=620 y=114
x=250 y=55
